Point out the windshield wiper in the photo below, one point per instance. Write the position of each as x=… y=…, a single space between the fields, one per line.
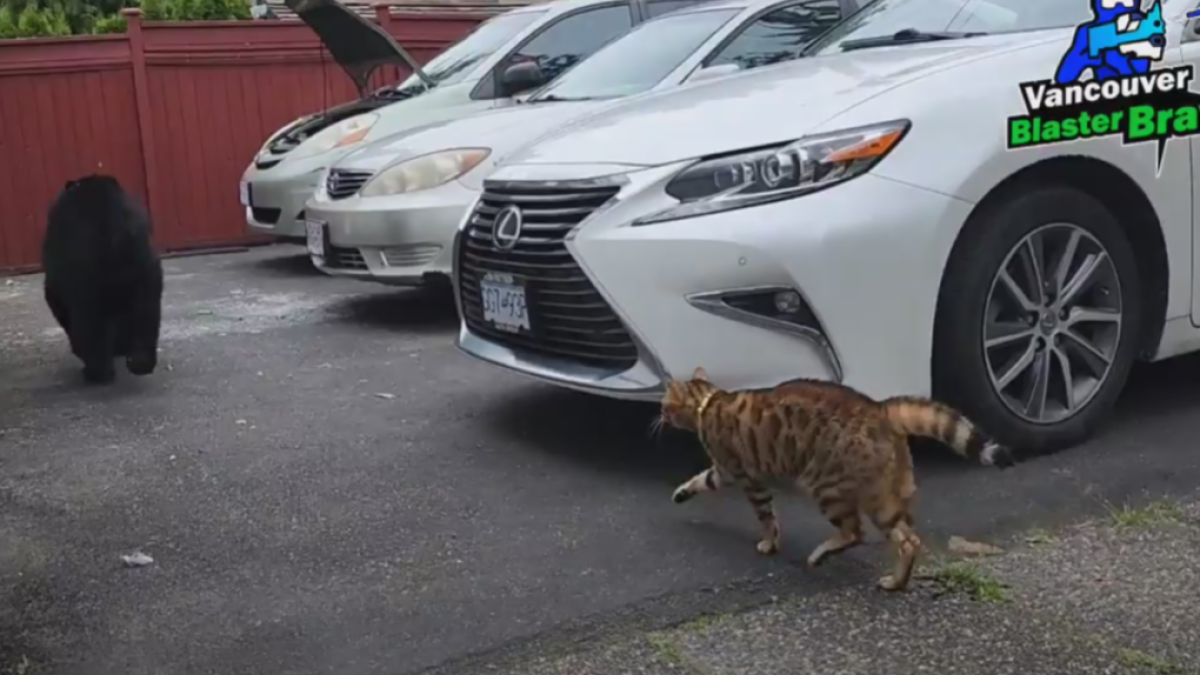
x=391 y=95
x=555 y=98
x=395 y=94
x=906 y=36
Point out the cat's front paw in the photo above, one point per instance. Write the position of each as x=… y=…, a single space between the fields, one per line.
x=767 y=547
x=682 y=494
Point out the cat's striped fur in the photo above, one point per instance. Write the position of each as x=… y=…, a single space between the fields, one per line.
x=846 y=451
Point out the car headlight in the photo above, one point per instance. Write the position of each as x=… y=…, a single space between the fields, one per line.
x=344 y=133
x=762 y=175
x=424 y=172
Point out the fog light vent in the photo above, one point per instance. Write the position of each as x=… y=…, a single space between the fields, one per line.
x=781 y=304
x=788 y=302
x=776 y=308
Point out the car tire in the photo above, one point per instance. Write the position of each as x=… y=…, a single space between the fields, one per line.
x=973 y=365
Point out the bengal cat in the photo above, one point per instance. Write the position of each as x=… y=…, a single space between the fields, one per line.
x=844 y=449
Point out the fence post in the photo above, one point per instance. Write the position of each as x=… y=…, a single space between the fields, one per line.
x=383 y=16
x=141 y=92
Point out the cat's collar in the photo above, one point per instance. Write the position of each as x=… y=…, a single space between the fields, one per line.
x=704 y=405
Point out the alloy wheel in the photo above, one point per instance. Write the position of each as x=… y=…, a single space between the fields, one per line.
x=1052 y=323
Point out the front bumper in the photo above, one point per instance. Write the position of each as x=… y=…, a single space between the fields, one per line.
x=865 y=257
x=278 y=195
x=401 y=240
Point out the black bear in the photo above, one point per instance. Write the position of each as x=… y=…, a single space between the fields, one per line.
x=104 y=280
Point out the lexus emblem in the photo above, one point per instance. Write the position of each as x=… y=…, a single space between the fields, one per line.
x=506 y=229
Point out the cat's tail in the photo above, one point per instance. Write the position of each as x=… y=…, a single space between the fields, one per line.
x=922 y=417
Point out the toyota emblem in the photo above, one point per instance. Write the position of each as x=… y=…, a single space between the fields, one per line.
x=506 y=229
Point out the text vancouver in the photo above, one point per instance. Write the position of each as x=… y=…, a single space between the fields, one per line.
x=1046 y=94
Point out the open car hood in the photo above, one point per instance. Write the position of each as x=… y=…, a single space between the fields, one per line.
x=359 y=46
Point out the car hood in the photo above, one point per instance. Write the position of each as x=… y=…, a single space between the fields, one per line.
x=502 y=131
x=769 y=105
x=358 y=45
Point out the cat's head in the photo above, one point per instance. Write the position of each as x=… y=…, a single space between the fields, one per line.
x=682 y=400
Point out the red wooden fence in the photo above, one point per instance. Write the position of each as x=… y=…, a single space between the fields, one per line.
x=175 y=111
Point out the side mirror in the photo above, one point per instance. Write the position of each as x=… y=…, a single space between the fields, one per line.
x=713 y=72
x=521 y=77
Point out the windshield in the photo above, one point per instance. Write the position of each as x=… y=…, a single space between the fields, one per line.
x=453 y=64
x=887 y=17
x=640 y=60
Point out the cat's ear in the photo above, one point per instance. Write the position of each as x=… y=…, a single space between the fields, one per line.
x=699 y=374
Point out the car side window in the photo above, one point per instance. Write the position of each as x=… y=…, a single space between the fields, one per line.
x=779 y=35
x=1191 y=30
x=659 y=7
x=574 y=38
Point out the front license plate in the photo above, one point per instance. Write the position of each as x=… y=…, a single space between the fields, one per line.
x=504 y=302
x=244 y=193
x=316 y=238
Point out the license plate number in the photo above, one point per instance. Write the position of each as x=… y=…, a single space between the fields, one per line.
x=316 y=238
x=504 y=303
x=244 y=193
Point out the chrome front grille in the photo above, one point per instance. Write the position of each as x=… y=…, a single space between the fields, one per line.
x=568 y=317
x=342 y=183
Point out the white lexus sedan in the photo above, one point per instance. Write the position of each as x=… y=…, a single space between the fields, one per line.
x=855 y=216
x=389 y=211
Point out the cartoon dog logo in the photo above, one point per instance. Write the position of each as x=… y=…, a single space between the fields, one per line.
x=1122 y=39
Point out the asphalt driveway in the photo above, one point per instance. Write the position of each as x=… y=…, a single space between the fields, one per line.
x=326 y=485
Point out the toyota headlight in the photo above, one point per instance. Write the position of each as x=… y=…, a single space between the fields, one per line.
x=763 y=175
x=344 y=133
x=424 y=172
